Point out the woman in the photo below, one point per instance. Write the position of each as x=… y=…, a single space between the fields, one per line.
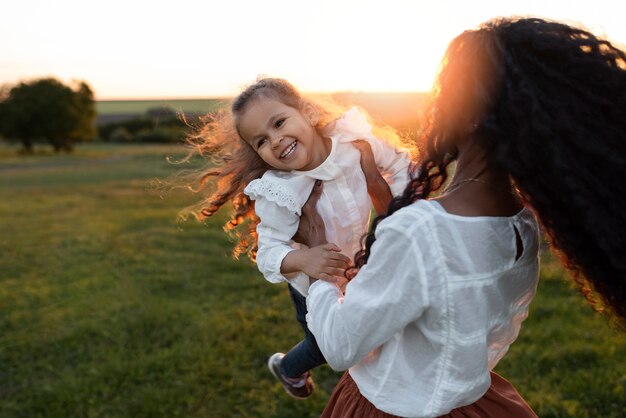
x=532 y=114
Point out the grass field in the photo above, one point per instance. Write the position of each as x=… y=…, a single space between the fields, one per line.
x=110 y=308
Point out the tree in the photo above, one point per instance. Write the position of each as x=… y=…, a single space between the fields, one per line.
x=47 y=110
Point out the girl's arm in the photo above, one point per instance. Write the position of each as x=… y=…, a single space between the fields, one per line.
x=277 y=226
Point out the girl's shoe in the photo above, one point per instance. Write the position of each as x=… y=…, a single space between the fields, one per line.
x=299 y=387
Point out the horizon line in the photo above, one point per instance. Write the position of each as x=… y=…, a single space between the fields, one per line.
x=227 y=97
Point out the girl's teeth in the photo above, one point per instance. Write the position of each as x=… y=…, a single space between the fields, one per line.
x=289 y=150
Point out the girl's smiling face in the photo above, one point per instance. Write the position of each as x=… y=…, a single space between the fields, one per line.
x=283 y=136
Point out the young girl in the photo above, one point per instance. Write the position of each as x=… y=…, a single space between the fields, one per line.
x=533 y=114
x=277 y=145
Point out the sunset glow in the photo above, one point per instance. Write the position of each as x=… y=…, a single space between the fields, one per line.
x=166 y=49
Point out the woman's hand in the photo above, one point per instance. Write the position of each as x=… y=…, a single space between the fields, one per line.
x=377 y=186
x=324 y=262
x=312 y=231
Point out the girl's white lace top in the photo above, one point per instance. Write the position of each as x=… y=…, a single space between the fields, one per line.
x=344 y=205
x=437 y=305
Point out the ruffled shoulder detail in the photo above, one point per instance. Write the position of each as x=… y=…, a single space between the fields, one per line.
x=352 y=125
x=276 y=191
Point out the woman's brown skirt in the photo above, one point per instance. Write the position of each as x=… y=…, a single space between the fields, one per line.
x=500 y=401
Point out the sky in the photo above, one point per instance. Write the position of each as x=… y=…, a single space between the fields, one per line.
x=153 y=49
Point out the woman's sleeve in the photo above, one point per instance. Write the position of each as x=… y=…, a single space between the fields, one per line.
x=389 y=292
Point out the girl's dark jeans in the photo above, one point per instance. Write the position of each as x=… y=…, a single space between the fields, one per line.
x=305 y=355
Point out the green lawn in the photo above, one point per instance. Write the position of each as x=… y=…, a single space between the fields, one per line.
x=110 y=308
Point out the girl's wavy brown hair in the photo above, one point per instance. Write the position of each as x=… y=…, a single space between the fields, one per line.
x=233 y=164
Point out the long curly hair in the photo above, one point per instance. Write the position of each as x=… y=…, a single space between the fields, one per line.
x=233 y=163
x=548 y=101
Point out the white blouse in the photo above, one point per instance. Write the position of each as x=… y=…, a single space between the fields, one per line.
x=344 y=204
x=435 y=308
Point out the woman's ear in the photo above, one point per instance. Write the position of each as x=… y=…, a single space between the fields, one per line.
x=310 y=113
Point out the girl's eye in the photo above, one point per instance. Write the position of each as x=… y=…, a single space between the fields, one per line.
x=280 y=122
x=260 y=142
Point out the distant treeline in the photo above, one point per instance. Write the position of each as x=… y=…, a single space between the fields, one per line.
x=156 y=125
x=46 y=111
x=147 y=121
x=151 y=120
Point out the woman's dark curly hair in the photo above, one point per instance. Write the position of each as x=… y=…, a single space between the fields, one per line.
x=549 y=104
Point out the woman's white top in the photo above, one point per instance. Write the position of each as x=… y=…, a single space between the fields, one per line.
x=435 y=308
x=344 y=204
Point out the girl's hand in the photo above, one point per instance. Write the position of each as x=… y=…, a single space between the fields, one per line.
x=324 y=262
x=377 y=186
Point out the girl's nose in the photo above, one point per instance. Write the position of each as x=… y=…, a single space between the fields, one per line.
x=275 y=140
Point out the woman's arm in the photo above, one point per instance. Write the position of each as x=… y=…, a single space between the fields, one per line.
x=392 y=162
x=389 y=292
x=321 y=260
x=377 y=186
x=311 y=229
